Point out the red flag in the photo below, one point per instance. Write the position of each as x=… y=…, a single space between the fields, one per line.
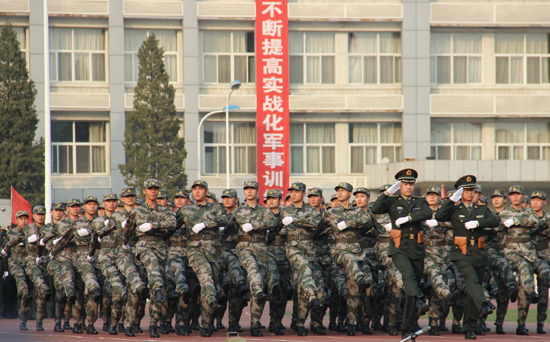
x=443 y=192
x=18 y=203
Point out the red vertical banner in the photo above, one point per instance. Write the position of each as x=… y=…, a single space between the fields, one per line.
x=19 y=203
x=272 y=109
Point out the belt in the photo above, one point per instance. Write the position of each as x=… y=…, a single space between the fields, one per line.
x=280 y=243
x=253 y=239
x=346 y=240
x=368 y=244
x=518 y=240
x=521 y=227
x=435 y=243
x=383 y=240
x=109 y=244
x=323 y=242
x=83 y=247
x=409 y=236
x=495 y=245
x=300 y=237
x=541 y=247
x=204 y=237
x=230 y=245
x=150 y=238
x=178 y=244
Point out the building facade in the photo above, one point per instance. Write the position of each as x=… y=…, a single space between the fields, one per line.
x=452 y=86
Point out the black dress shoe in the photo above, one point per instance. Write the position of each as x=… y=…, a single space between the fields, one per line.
x=456 y=329
x=71 y=298
x=67 y=326
x=113 y=330
x=27 y=299
x=315 y=304
x=77 y=328
x=406 y=333
x=514 y=295
x=137 y=329
x=233 y=328
x=469 y=335
x=434 y=331
x=453 y=297
x=23 y=326
x=96 y=294
x=392 y=330
x=153 y=331
x=91 y=330
x=58 y=328
x=181 y=331
x=499 y=329
x=159 y=296
x=351 y=330
x=318 y=330
x=442 y=326
x=39 y=326
x=130 y=332
x=367 y=330
x=205 y=332
x=301 y=331
x=485 y=310
x=280 y=326
x=421 y=307
x=375 y=325
x=540 y=328
x=261 y=297
x=520 y=330
x=188 y=328
x=212 y=327
x=534 y=297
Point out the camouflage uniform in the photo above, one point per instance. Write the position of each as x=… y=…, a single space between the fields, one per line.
x=541 y=240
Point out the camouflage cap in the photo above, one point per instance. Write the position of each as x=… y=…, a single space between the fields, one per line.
x=110 y=196
x=524 y=200
x=478 y=188
x=90 y=199
x=273 y=193
x=120 y=203
x=139 y=201
x=151 y=183
x=129 y=191
x=315 y=192
x=518 y=189
x=345 y=186
x=39 y=209
x=433 y=189
x=58 y=206
x=287 y=197
x=499 y=192
x=251 y=184
x=450 y=193
x=385 y=187
x=539 y=194
x=73 y=201
x=230 y=193
x=101 y=206
x=182 y=193
x=212 y=195
x=362 y=190
x=298 y=186
x=21 y=213
x=171 y=204
x=199 y=183
x=163 y=193
x=484 y=200
x=333 y=197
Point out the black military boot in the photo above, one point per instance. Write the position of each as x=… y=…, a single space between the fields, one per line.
x=23 y=326
x=340 y=328
x=67 y=326
x=469 y=335
x=385 y=328
x=332 y=326
x=453 y=297
x=375 y=325
x=499 y=329
x=137 y=328
x=442 y=326
x=255 y=332
x=232 y=328
x=317 y=330
x=315 y=304
x=159 y=296
x=212 y=327
x=422 y=307
x=392 y=330
x=214 y=307
x=434 y=331
x=351 y=330
x=514 y=295
x=301 y=331
x=154 y=331
x=205 y=332
x=219 y=325
x=277 y=330
x=77 y=328
x=105 y=326
x=170 y=327
x=479 y=330
x=540 y=328
x=164 y=328
x=39 y=326
x=91 y=330
x=113 y=330
x=456 y=329
x=485 y=309
x=520 y=330
x=96 y=295
x=120 y=327
x=181 y=331
x=130 y=332
x=367 y=330
x=58 y=327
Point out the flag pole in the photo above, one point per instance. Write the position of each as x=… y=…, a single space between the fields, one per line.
x=47 y=117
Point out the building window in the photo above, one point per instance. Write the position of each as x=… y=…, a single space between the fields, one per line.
x=133 y=39
x=228 y=56
x=514 y=140
x=312 y=57
x=242 y=147
x=312 y=148
x=522 y=58
x=77 y=55
x=372 y=143
x=78 y=147
x=455 y=58
x=456 y=140
x=374 y=58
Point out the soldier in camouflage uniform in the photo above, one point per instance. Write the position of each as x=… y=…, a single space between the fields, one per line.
x=16 y=261
x=346 y=222
x=252 y=223
x=521 y=253
x=202 y=221
x=150 y=222
x=300 y=221
x=541 y=238
x=230 y=264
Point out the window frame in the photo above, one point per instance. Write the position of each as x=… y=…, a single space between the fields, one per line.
x=319 y=55
x=305 y=146
x=453 y=145
x=524 y=145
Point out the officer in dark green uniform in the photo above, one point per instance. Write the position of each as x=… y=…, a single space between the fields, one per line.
x=468 y=253
x=407 y=213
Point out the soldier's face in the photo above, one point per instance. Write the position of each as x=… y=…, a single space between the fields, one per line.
x=468 y=195
x=334 y=203
x=110 y=205
x=91 y=208
x=199 y=193
x=250 y=193
x=180 y=202
x=343 y=194
x=74 y=210
x=57 y=214
x=229 y=202
x=537 y=203
x=406 y=189
x=432 y=198
x=296 y=196
x=129 y=200
x=210 y=200
x=151 y=193
x=362 y=200
x=498 y=201
x=288 y=201
x=162 y=201
x=39 y=219
x=273 y=203
x=516 y=198
x=314 y=200
x=100 y=212
x=22 y=221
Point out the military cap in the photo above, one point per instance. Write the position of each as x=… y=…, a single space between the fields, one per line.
x=539 y=194
x=478 y=188
x=524 y=200
x=101 y=206
x=163 y=193
x=273 y=193
x=333 y=197
x=110 y=196
x=433 y=189
x=130 y=191
x=315 y=192
x=518 y=189
x=287 y=197
x=345 y=186
x=298 y=186
x=199 y=183
x=230 y=193
x=39 y=209
x=171 y=204
x=385 y=187
x=499 y=192
x=58 y=206
x=139 y=201
x=90 y=199
x=362 y=191
x=466 y=182
x=151 y=183
x=21 y=213
x=212 y=195
x=120 y=203
x=73 y=201
x=484 y=200
x=182 y=193
x=251 y=184
x=450 y=193
x=407 y=175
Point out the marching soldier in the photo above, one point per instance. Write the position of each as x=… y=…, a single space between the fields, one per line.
x=541 y=240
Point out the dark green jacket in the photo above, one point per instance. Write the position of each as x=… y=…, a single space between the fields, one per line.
x=458 y=214
x=396 y=207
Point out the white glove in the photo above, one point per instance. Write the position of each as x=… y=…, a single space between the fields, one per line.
x=222 y=228
x=33 y=238
x=471 y=224
x=247 y=227
x=56 y=241
x=123 y=224
x=51 y=256
x=457 y=195
x=90 y=258
x=198 y=227
x=83 y=232
x=99 y=238
x=393 y=189
x=509 y=222
x=3 y=253
x=387 y=227
x=288 y=220
x=342 y=225
x=42 y=242
x=125 y=246
x=38 y=260
x=6 y=274
x=431 y=223
x=145 y=227
x=106 y=222
x=402 y=220
x=21 y=244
